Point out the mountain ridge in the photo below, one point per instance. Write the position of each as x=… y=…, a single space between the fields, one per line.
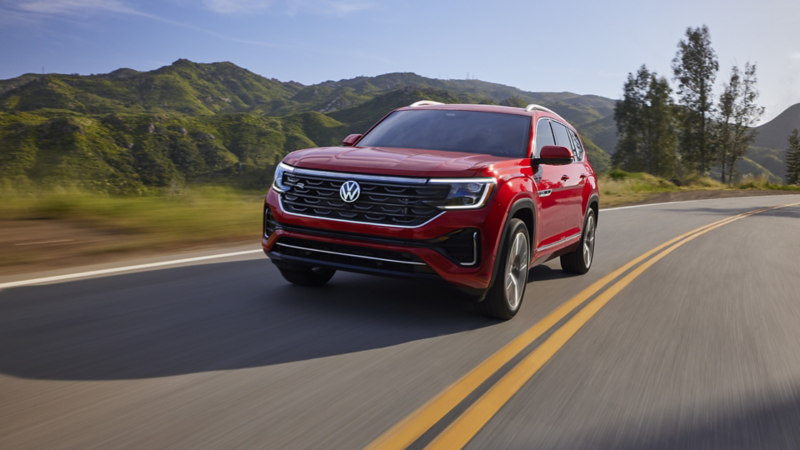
x=129 y=130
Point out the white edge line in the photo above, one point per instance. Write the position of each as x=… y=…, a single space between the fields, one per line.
x=692 y=201
x=664 y=203
x=92 y=273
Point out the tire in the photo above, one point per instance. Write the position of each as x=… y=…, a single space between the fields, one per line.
x=504 y=298
x=308 y=276
x=580 y=260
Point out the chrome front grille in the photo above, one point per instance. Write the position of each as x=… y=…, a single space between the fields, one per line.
x=387 y=201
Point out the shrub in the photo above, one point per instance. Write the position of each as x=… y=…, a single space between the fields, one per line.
x=618 y=174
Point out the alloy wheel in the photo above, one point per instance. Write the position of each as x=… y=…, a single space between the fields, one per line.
x=588 y=242
x=516 y=270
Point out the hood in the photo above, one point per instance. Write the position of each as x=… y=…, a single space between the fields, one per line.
x=392 y=161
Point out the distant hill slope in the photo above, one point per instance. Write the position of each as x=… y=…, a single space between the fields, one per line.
x=127 y=130
x=767 y=156
x=202 y=89
x=775 y=133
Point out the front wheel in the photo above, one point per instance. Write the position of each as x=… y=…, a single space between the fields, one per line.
x=580 y=260
x=505 y=296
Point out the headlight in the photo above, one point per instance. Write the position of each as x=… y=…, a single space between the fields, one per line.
x=467 y=193
x=277 y=184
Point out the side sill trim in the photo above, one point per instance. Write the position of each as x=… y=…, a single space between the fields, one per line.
x=559 y=242
x=415 y=263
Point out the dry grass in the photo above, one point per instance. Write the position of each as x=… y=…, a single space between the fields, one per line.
x=189 y=216
x=619 y=188
x=105 y=227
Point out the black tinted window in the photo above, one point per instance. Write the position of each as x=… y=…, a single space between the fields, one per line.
x=562 y=137
x=544 y=135
x=577 y=148
x=456 y=131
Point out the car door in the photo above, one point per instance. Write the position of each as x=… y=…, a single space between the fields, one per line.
x=572 y=182
x=583 y=168
x=551 y=226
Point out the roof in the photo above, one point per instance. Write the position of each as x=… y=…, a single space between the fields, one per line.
x=486 y=108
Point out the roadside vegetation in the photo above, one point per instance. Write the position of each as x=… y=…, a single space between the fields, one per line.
x=180 y=157
x=618 y=187
x=82 y=224
x=179 y=215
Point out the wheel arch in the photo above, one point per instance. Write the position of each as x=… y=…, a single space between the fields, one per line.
x=594 y=204
x=525 y=210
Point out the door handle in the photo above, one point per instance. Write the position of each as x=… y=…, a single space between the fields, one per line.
x=564 y=177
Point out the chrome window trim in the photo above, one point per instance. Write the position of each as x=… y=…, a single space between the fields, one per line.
x=561 y=241
x=415 y=263
x=280 y=203
x=574 y=135
x=533 y=144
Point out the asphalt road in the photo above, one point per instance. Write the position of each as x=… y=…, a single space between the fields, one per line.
x=702 y=350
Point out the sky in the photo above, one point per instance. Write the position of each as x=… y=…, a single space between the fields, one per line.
x=585 y=46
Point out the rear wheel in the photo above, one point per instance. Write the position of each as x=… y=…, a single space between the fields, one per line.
x=308 y=276
x=505 y=296
x=580 y=260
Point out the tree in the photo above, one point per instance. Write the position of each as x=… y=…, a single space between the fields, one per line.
x=793 y=159
x=695 y=67
x=645 y=125
x=737 y=114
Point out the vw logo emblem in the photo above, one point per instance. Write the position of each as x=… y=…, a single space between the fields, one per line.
x=350 y=191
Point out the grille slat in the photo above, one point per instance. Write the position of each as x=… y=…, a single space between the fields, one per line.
x=361 y=202
x=380 y=203
x=337 y=209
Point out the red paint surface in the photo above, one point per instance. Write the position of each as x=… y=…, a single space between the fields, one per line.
x=558 y=215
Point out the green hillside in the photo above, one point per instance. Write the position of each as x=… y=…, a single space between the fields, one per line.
x=128 y=131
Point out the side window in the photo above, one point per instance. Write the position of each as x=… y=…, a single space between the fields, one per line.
x=562 y=137
x=544 y=135
x=577 y=146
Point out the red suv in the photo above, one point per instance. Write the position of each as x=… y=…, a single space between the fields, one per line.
x=472 y=194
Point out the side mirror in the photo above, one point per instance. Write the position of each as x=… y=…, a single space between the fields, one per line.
x=351 y=140
x=554 y=155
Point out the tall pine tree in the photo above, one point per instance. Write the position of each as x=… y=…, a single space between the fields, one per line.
x=645 y=125
x=737 y=116
x=695 y=68
x=793 y=159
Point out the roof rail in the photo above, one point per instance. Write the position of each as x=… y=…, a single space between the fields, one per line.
x=424 y=103
x=532 y=107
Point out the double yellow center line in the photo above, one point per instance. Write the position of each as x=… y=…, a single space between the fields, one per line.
x=467 y=425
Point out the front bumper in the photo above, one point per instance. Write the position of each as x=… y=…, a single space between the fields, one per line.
x=457 y=246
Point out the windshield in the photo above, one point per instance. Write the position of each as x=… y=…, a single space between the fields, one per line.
x=488 y=133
